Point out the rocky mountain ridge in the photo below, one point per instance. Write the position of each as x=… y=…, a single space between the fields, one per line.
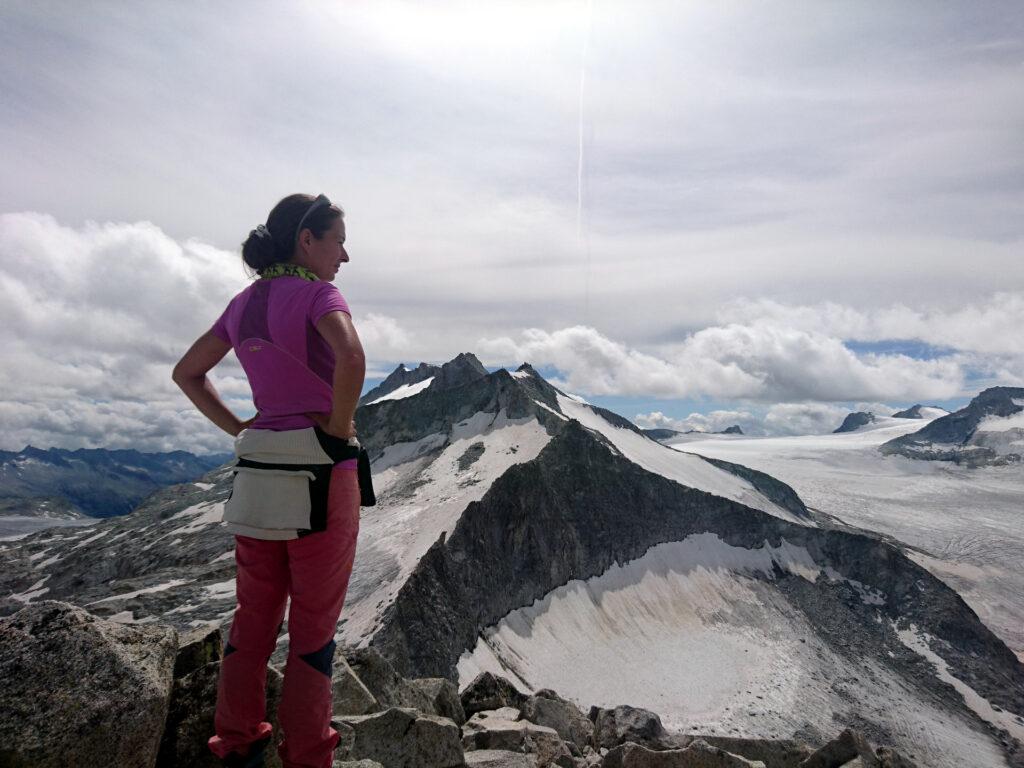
x=502 y=502
x=855 y=421
x=988 y=431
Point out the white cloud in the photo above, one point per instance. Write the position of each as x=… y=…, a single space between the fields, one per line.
x=713 y=421
x=992 y=326
x=98 y=316
x=759 y=362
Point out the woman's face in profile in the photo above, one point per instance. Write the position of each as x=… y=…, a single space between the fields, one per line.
x=327 y=254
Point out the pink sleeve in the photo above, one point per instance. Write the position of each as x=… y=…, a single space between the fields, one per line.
x=327 y=299
x=220 y=328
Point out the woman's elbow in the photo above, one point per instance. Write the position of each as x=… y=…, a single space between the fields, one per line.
x=181 y=374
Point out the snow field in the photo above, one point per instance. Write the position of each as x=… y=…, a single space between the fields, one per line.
x=695 y=631
x=964 y=524
x=420 y=496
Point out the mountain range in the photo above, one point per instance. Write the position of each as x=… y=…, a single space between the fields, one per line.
x=39 y=488
x=524 y=532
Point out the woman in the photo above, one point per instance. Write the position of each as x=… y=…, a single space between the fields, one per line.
x=292 y=307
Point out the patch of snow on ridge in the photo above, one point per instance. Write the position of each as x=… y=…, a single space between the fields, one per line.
x=1001 y=423
x=697 y=631
x=421 y=497
x=404 y=391
x=547 y=407
x=520 y=374
x=145 y=591
x=917 y=641
x=400 y=453
x=686 y=469
x=220 y=590
x=209 y=513
x=32 y=592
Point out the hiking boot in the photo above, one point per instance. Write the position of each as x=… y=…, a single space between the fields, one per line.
x=254 y=759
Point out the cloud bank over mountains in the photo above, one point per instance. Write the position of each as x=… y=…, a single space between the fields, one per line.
x=98 y=315
x=783 y=207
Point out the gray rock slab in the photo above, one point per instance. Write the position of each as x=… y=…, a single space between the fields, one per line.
x=82 y=691
x=350 y=694
x=443 y=695
x=699 y=754
x=848 y=745
x=489 y=691
x=783 y=753
x=197 y=648
x=402 y=737
x=497 y=730
x=381 y=679
x=625 y=723
x=500 y=758
x=575 y=729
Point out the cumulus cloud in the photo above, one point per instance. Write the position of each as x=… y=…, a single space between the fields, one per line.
x=760 y=361
x=713 y=421
x=992 y=326
x=97 y=317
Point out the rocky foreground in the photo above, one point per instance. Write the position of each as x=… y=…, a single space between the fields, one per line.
x=87 y=692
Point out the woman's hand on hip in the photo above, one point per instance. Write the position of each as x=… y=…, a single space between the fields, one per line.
x=331 y=427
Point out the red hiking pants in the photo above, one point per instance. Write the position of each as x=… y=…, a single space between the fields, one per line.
x=314 y=571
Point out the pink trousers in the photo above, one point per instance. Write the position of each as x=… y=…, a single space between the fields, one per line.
x=314 y=571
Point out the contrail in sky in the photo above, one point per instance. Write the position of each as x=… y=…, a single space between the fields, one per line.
x=579 y=164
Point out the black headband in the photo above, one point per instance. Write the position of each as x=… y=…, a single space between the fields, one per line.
x=321 y=200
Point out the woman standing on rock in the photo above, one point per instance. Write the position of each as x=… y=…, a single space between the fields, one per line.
x=294 y=506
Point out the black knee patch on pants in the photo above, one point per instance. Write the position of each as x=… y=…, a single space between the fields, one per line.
x=229 y=649
x=322 y=660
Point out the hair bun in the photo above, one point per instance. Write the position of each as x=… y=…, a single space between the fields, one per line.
x=259 y=250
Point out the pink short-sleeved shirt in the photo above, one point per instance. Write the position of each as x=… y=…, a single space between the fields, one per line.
x=284 y=311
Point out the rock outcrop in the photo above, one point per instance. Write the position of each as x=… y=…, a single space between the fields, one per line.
x=988 y=431
x=855 y=421
x=82 y=691
x=401 y=737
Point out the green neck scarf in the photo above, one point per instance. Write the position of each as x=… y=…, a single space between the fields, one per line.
x=282 y=268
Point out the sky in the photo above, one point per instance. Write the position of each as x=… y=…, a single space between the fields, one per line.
x=695 y=214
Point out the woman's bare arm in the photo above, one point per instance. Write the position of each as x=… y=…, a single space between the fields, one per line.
x=190 y=375
x=349 y=370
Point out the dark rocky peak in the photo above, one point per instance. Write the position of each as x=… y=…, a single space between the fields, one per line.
x=400 y=377
x=957 y=427
x=462 y=369
x=47 y=456
x=956 y=432
x=855 y=421
x=914 y=412
x=528 y=369
x=462 y=389
x=999 y=401
x=733 y=430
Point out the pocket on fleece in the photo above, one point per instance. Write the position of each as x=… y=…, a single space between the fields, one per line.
x=270 y=498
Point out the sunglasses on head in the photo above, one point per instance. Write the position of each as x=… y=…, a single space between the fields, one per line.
x=321 y=201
